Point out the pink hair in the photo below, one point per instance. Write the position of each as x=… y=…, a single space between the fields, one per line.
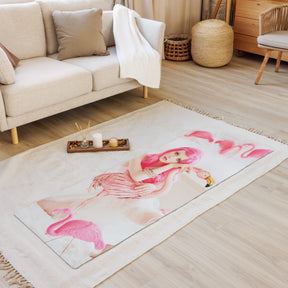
x=151 y=161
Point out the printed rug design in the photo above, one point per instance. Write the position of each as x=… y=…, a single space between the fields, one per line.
x=92 y=208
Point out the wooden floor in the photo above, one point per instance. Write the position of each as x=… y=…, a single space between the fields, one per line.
x=243 y=242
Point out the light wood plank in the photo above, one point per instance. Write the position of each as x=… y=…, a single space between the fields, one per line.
x=252 y=8
x=246 y=26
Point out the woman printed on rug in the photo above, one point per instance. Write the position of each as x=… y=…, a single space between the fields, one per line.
x=148 y=176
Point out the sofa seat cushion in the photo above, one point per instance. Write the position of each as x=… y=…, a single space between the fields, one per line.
x=105 y=69
x=42 y=81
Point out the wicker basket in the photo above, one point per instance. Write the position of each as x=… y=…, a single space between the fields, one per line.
x=177 y=47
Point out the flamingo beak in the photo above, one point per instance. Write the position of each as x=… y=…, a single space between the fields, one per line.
x=209 y=181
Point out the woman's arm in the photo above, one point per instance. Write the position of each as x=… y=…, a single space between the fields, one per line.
x=138 y=174
x=135 y=169
x=165 y=188
x=203 y=174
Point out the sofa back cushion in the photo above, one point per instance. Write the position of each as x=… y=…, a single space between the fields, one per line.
x=49 y=6
x=107 y=28
x=14 y=1
x=22 y=30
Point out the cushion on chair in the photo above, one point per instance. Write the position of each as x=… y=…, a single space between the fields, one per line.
x=277 y=39
x=105 y=69
x=43 y=81
x=22 y=30
x=48 y=6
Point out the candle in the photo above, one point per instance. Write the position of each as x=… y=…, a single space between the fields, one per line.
x=97 y=140
x=113 y=142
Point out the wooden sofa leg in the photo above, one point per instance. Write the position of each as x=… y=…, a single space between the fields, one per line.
x=278 y=61
x=145 y=92
x=265 y=60
x=14 y=135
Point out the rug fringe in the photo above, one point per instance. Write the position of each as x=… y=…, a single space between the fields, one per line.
x=205 y=113
x=12 y=276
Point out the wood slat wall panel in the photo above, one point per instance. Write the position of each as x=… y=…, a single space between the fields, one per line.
x=246 y=26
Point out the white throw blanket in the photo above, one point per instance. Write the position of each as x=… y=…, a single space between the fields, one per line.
x=138 y=60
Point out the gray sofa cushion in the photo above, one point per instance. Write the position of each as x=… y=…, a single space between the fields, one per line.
x=105 y=69
x=43 y=81
x=277 y=39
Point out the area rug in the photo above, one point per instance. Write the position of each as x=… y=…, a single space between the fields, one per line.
x=180 y=164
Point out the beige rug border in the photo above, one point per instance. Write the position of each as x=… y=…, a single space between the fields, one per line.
x=221 y=118
x=170 y=223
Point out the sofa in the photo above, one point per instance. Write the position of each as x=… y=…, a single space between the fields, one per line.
x=44 y=85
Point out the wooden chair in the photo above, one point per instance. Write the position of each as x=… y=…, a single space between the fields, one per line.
x=273 y=34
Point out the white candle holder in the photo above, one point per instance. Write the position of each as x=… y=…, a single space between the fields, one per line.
x=97 y=140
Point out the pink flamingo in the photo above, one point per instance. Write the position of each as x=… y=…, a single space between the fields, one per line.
x=201 y=134
x=80 y=229
x=257 y=153
x=227 y=145
x=165 y=211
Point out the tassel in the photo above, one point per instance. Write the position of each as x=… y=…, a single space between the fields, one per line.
x=12 y=276
x=204 y=113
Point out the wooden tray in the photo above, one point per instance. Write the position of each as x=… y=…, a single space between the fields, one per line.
x=74 y=146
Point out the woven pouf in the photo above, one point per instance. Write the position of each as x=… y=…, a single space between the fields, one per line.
x=212 y=43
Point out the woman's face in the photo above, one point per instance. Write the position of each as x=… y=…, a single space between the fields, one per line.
x=174 y=157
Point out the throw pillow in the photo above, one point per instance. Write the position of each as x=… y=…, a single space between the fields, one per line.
x=12 y=58
x=7 y=73
x=79 y=33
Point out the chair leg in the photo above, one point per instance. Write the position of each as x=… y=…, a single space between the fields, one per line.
x=278 y=61
x=227 y=14
x=145 y=92
x=265 y=60
x=216 y=9
x=14 y=135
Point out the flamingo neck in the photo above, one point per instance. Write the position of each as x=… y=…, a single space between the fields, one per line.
x=51 y=229
x=244 y=154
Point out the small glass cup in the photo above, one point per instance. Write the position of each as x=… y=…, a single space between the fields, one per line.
x=84 y=144
x=113 y=142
